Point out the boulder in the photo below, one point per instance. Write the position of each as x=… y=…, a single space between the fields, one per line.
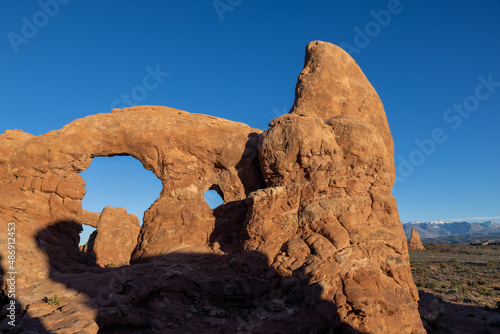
x=115 y=237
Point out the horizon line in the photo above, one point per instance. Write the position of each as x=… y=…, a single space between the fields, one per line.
x=497 y=217
x=462 y=219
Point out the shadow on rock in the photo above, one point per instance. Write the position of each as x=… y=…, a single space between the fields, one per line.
x=188 y=292
x=11 y=314
x=230 y=227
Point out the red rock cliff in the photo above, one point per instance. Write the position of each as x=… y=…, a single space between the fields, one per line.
x=308 y=238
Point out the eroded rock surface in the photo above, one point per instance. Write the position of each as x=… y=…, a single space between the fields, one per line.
x=308 y=238
x=415 y=242
x=329 y=171
x=115 y=237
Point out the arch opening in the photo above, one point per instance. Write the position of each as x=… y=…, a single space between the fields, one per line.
x=118 y=181
x=85 y=234
x=214 y=196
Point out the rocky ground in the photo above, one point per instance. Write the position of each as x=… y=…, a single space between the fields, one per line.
x=459 y=287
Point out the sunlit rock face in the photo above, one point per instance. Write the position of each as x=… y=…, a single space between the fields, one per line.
x=308 y=238
x=415 y=242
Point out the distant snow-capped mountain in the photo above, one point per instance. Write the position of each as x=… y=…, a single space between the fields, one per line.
x=490 y=223
x=438 y=228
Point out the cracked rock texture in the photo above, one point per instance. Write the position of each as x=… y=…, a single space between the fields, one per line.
x=308 y=239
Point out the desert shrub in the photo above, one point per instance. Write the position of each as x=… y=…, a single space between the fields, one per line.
x=493 y=263
x=483 y=291
x=111 y=265
x=455 y=284
x=53 y=301
x=473 y=284
x=442 y=265
x=464 y=289
x=431 y=285
x=482 y=282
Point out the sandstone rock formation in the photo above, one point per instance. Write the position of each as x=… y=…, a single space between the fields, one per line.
x=415 y=242
x=308 y=238
x=115 y=237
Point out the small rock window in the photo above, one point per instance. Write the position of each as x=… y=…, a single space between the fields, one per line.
x=214 y=196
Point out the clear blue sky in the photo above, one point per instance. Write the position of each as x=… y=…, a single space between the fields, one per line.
x=241 y=60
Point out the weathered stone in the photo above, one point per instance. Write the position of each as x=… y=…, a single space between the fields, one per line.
x=89 y=218
x=308 y=238
x=70 y=190
x=50 y=182
x=115 y=238
x=337 y=135
x=415 y=242
x=429 y=306
x=332 y=84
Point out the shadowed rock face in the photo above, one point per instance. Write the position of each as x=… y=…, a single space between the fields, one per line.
x=309 y=200
x=415 y=242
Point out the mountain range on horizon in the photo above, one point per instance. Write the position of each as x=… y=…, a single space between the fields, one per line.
x=459 y=220
x=440 y=229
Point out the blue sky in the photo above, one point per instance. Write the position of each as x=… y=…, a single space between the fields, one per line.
x=434 y=64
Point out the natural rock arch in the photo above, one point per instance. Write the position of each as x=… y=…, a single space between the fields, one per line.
x=214 y=195
x=311 y=195
x=188 y=153
x=120 y=181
